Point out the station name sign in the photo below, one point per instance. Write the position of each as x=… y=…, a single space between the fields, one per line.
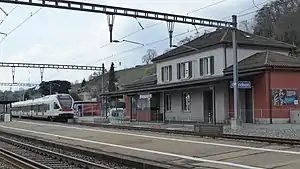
x=242 y=84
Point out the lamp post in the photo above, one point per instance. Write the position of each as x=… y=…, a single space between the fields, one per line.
x=124 y=40
x=186 y=46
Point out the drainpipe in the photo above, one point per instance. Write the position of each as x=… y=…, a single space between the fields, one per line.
x=270 y=96
x=225 y=56
x=164 y=106
x=214 y=104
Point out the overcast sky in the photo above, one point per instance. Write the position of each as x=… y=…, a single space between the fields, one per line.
x=72 y=37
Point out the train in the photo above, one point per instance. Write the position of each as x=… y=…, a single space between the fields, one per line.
x=51 y=107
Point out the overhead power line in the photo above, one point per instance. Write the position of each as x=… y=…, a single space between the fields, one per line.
x=152 y=25
x=20 y=24
x=180 y=34
x=8 y=14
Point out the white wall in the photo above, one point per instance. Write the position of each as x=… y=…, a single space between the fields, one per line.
x=197 y=107
x=218 y=63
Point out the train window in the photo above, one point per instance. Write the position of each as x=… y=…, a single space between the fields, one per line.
x=66 y=101
x=56 y=106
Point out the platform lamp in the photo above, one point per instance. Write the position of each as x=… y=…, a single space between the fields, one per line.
x=124 y=40
x=186 y=46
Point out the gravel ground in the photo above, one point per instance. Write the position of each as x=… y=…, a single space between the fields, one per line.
x=5 y=165
x=290 y=131
x=265 y=132
x=76 y=155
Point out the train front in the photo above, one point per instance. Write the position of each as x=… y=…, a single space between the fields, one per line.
x=66 y=104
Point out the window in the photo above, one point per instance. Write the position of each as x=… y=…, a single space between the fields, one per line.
x=65 y=101
x=168 y=102
x=143 y=103
x=207 y=66
x=166 y=73
x=185 y=70
x=186 y=102
x=56 y=106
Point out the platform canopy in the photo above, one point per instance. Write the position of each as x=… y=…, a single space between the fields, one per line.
x=6 y=100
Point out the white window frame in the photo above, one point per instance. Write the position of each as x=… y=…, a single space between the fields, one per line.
x=184 y=70
x=166 y=73
x=206 y=65
x=186 y=101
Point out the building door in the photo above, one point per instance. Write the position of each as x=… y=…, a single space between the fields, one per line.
x=208 y=106
x=249 y=105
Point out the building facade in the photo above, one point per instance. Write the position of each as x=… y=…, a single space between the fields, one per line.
x=193 y=84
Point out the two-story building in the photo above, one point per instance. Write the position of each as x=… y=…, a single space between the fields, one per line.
x=193 y=81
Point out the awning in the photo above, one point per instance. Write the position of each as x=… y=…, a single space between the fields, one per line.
x=178 y=85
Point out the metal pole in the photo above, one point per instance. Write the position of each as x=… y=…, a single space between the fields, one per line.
x=102 y=88
x=235 y=73
x=102 y=82
x=214 y=104
x=50 y=88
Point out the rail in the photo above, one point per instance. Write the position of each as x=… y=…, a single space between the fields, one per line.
x=42 y=158
x=120 y=159
x=19 y=161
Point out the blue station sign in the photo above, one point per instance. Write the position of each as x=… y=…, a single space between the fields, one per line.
x=242 y=84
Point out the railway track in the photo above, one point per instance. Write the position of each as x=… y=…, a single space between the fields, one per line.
x=112 y=160
x=17 y=161
x=33 y=157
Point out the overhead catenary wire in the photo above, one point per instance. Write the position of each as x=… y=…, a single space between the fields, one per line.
x=180 y=34
x=155 y=24
x=20 y=24
x=32 y=14
x=8 y=14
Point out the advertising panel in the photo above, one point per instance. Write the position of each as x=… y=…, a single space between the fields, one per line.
x=284 y=96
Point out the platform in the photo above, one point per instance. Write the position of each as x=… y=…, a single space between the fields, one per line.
x=181 y=150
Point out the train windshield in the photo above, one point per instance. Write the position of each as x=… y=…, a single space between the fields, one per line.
x=66 y=101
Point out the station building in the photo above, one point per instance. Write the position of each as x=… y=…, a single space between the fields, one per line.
x=193 y=82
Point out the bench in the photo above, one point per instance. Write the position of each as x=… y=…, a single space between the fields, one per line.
x=213 y=130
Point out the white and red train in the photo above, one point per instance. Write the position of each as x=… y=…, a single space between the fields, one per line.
x=57 y=106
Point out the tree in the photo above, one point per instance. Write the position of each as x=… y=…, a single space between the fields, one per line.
x=112 y=78
x=26 y=95
x=83 y=83
x=150 y=54
x=278 y=20
x=55 y=86
x=185 y=40
x=246 y=26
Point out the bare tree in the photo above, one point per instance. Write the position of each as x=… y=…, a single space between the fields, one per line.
x=150 y=54
x=185 y=40
x=246 y=26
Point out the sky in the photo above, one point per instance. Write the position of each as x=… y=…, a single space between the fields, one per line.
x=58 y=36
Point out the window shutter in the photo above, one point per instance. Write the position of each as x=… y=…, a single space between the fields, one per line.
x=162 y=74
x=190 y=69
x=201 y=67
x=170 y=73
x=212 y=64
x=178 y=71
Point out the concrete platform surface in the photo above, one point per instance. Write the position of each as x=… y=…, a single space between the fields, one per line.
x=189 y=151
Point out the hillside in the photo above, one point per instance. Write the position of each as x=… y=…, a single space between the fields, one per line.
x=124 y=76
